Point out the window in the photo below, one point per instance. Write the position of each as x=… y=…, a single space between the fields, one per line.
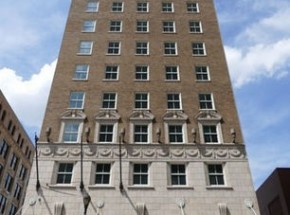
x=198 y=49
x=171 y=73
x=71 y=132
x=142 y=26
x=76 y=100
x=195 y=27
x=106 y=133
x=92 y=6
x=178 y=174
x=202 y=73
x=173 y=101
x=22 y=172
x=192 y=7
x=167 y=7
x=114 y=48
x=85 y=47
x=117 y=6
x=89 y=26
x=215 y=174
x=103 y=171
x=168 y=26
x=141 y=100
x=205 y=101
x=12 y=210
x=140 y=133
x=2 y=203
x=109 y=100
x=81 y=72
x=17 y=192
x=115 y=26
x=111 y=72
x=141 y=72
x=170 y=48
x=210 y=134
x=3 y=116
x=142 y=7
x=175 y=133
x=142 y=48
x=1 y=169
x=140 y=174
x=4 y=149
x=64 y=173
x=14 y=161
x=8 y=182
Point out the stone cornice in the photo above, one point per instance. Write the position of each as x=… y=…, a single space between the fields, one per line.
x=144 y=151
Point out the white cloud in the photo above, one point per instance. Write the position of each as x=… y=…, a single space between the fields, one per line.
x=28 y=98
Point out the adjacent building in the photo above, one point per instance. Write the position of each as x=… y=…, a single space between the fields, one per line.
x=16 y=156
x=274 y=194
x=141 y=117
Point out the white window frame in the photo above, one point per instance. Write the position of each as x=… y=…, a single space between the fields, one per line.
x=168 y=26
x=85 y=47
x=114 y=132
x=198 y=49
x=89 y=26
x=174 y=101
x=141 y=73
x=204 y=102
x=149 y=125
x=178 y=174
x=171 y=47
x=112 y=47
x=140 y=8
x=142 y=46
x=141 y=100
x=8 y=182
x=116 y=26
x=171 y=73
x=63 y=126
x=190 y=8
x=92 y=6
x=142 y=26
x=116 y=8
x=111 y=72
x=3 y=201
x=140 y=174
x=103 y=174
x=77 y=98
x=109 y=100
x=216 y=174
x=195 y=27
x=57 y=172
x=176 y=122
x=166 y=8
x=202 y=73
x=81 y=72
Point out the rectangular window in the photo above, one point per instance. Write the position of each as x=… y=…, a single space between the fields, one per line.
x=115 y=26
x=202 y=73
x=142 y=48
x=22 y=172
x=171 y=73
x=141 y=100
x=2 y=204
x=175 y=133
x=64 y=173
x=140 y=174
x=114 y=48
x=142 y=7
x=85 y=47
x=103 y=171
x=92 y=6
x=178 y=174
x=1 y=169
x=12 y=210
x=4 y=148
x=117 y=6
x=89 y=26
x=17 y=192
x=170 y=48
x=205 y=101
x=215 y=174
x=167 y=7
x=173 y=101
x=109 y=100
x=142 y=26
x=76 y=100
x=195 y=27
x=106 y=133
x=198 y=49
x=81 y=72
x=111 y=72
x=141 y=72
x=8 y=182
x=192 y=7
x=140 y=133
x=14 y=161
x=168 y=26
x=210 y=134
x=71 y=132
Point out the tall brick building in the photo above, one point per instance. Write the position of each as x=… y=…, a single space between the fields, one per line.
x=147 y=80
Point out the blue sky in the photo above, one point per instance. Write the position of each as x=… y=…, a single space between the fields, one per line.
x=256 y=37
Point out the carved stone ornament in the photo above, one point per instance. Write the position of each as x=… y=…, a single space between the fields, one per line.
x=58 y=208
x=223 y=209
x=175 y=115
x=73 y=114
x=141 y=115
x=108 y=115
x=205 y=116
